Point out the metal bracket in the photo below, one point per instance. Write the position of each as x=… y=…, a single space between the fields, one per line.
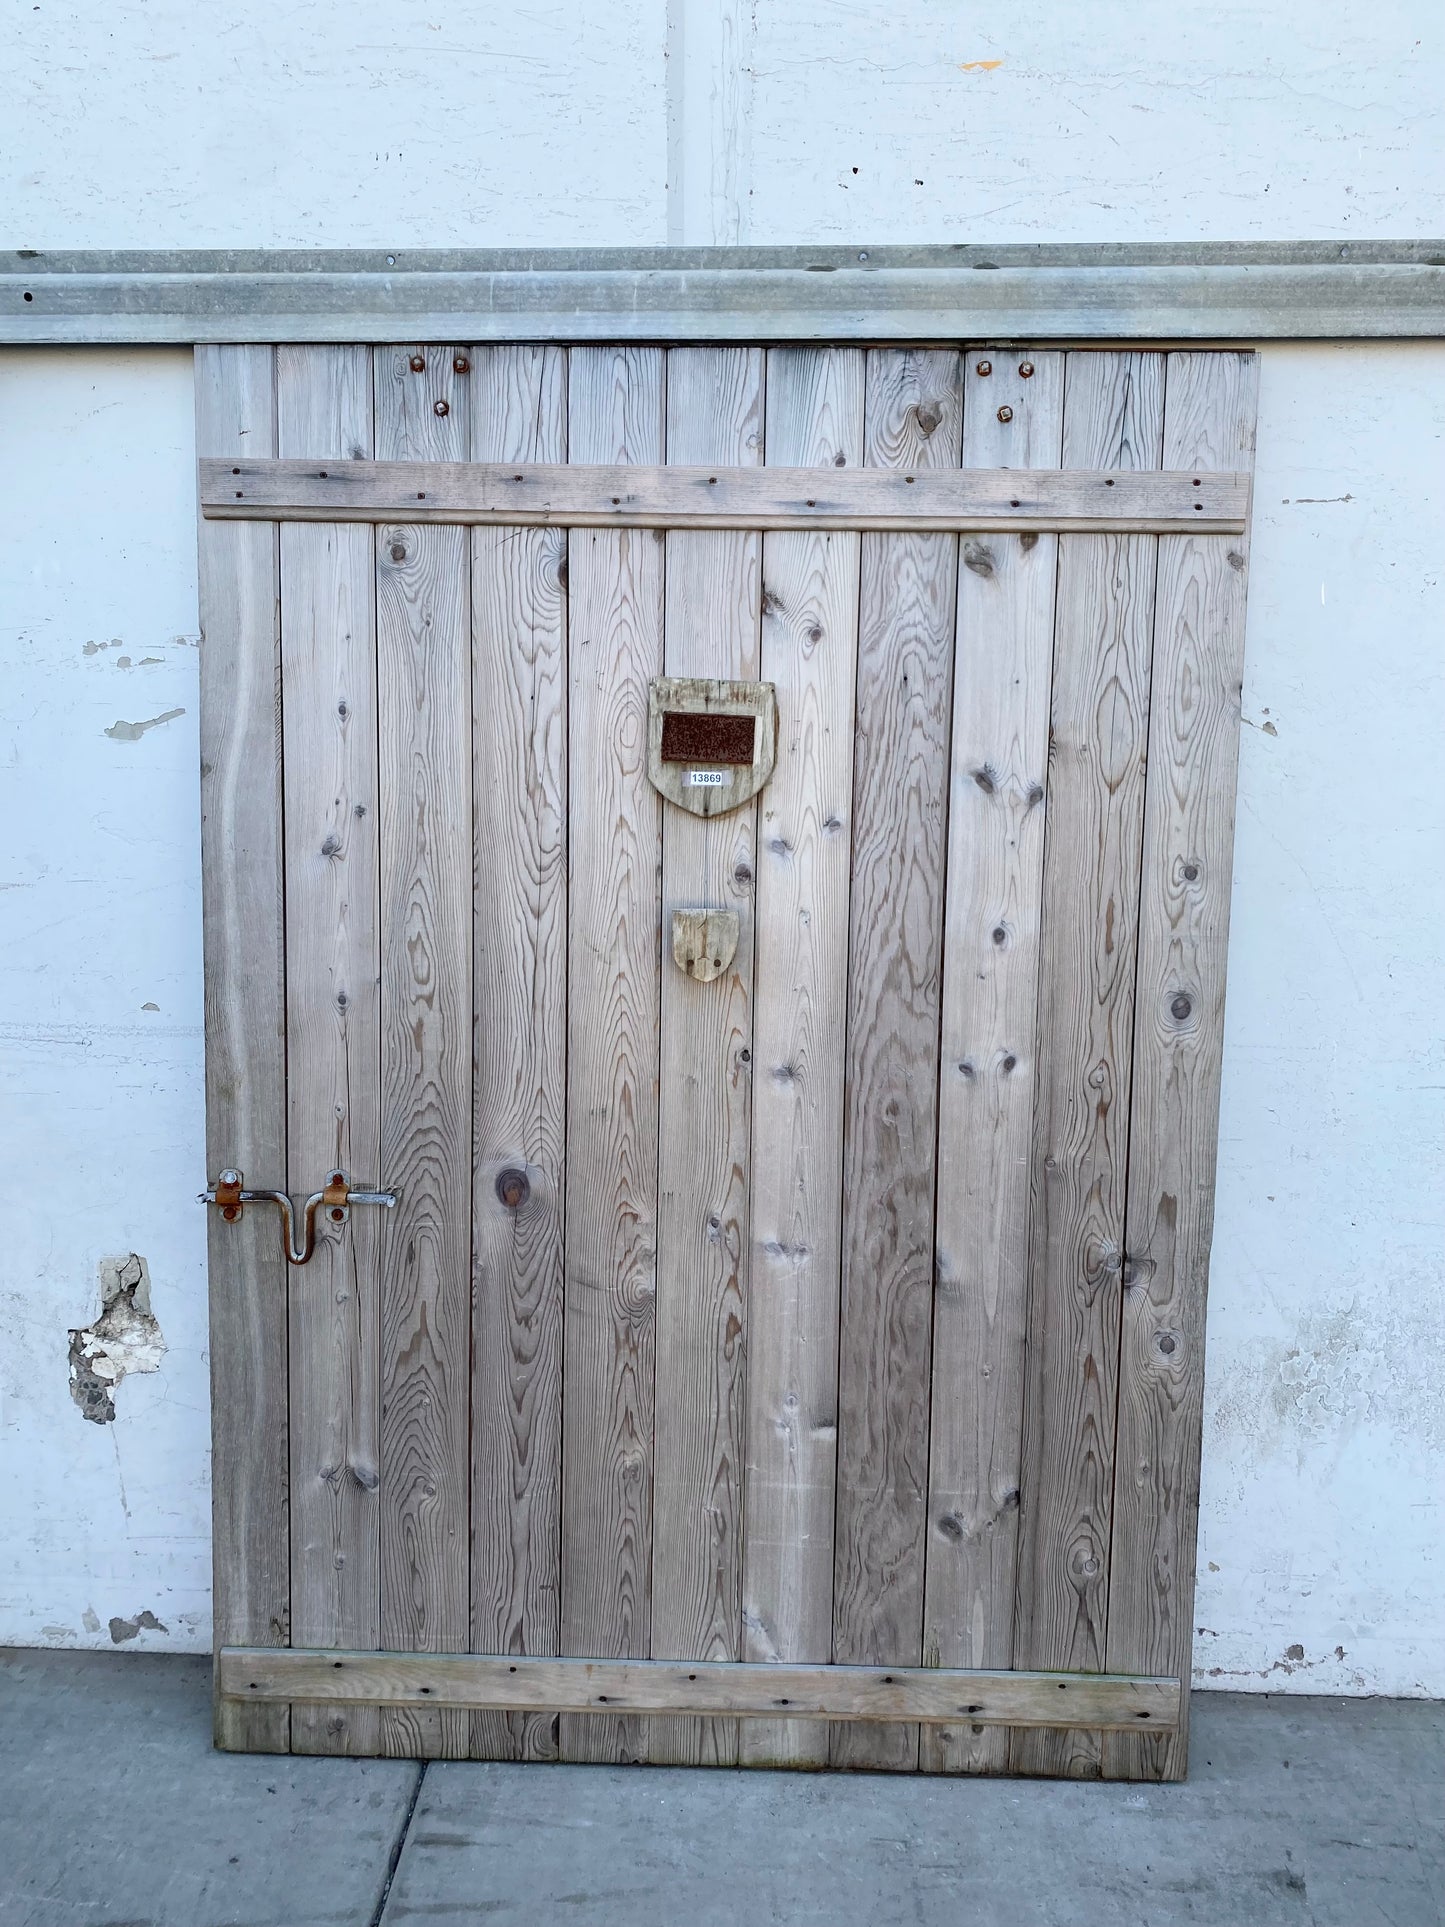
x=335 y=1197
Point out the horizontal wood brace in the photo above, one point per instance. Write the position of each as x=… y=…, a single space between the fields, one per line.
x=1200 y=291
x=940 y=1694
x=574 y=495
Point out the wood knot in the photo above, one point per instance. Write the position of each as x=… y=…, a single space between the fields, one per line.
x=513 y=1187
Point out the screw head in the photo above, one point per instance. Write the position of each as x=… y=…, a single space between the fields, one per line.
x=461 y=364
x=337 y=1213
x=1005 y=414
x=441 y=408
x=418 y=364
x=1026 y=369
x=983 y=368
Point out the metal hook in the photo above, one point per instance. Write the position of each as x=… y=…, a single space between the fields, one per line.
x=336 y=1197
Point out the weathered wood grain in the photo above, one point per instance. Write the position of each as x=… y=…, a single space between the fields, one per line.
x=698 y=1689
x=989 y=1065
x=615 y=408
x=782 y=497
x=913 y=421
x=244 y=926
x=333 y=1035
x=1113 y=417
x=519 y=733
x=425 y=758
x=809 y=644
x=1178 y=1045
x=712 y=614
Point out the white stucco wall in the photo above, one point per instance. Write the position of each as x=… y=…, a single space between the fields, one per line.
x=1324 y=1463
x=553 y=123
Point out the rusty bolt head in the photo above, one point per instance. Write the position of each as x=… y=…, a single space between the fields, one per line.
x=1026 y=368
x=1005 y=414
x=337 y=1214
x=418 y=364
x=441 y=408
x=461 y=364
x=983 y=368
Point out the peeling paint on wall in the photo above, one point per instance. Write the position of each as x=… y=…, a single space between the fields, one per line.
x=125 y=1338
x=124 y=1629
x=132 y=732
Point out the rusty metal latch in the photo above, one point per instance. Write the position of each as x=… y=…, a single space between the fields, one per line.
x=335 y=1198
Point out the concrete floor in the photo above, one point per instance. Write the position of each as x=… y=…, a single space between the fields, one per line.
x=114 y=1812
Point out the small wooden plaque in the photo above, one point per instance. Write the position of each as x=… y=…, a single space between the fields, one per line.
x=704 y=942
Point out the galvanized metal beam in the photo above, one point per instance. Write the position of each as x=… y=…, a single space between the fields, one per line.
x=1207 y=292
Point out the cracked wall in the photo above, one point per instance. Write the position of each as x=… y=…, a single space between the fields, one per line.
x=102 y=1275
x=124 y=1338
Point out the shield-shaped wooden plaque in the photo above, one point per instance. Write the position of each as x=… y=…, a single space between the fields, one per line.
x=710 y=745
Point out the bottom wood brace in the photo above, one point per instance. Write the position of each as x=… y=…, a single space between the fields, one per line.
x=1109 y=1701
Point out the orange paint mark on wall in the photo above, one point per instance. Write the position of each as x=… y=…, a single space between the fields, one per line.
x=978 y=66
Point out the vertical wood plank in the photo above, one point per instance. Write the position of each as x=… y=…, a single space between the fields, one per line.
x=913 y=420
x=711 y=620
x=989 y=1064
x=1178 y=1046
x=809 y=647
x=615 y=413
x=333 y=1030
x=519 y=413
x=425 y=757
x=1113 y=418
x=244 y=925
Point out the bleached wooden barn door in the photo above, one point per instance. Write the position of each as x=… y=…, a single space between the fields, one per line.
x=798 y=1362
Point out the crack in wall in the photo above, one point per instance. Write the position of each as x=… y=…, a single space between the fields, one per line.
x=125 y=1338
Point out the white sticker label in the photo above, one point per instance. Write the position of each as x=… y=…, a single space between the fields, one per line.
x=706 y=779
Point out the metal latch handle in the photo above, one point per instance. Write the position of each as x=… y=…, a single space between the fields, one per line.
x=335 y=1197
